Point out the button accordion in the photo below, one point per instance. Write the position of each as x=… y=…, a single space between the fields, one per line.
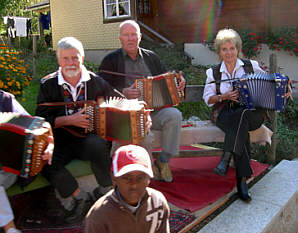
x=23 y=139
x=262 y=90
x=160 y=91
x=117 y=119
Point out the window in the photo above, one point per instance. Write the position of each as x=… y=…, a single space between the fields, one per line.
x=116 y=9
x=143 y=7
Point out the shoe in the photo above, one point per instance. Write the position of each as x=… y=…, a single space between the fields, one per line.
x=13 y=230
x=80 y=209
x=100 y=191
x=232 y=163
x=165 y=171
x=242 y=189
x=156 y=172
x=223 y=166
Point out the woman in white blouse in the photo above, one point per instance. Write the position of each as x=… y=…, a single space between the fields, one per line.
x=235 y=120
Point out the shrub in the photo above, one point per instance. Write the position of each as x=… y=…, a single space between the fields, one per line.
x=14 y=76
x=251 y=45
x=284 y=38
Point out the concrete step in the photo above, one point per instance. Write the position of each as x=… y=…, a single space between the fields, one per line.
x=273 y=209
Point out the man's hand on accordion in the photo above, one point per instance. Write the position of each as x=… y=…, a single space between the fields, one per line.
x=48 y=153
x=131 y=92
x=78 y=119
x=182 y=82
x=148 y=122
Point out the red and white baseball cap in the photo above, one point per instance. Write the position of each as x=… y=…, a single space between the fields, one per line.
x=131 y=158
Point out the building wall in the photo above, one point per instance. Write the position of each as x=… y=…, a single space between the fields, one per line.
x=83 y=20
x=194 y=21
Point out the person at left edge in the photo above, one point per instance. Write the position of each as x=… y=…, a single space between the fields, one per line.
x=73 y=82
x=8 y=103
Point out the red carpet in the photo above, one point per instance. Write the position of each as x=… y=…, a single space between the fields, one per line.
x=195 y=185
x=39 y=211
x=181 y=148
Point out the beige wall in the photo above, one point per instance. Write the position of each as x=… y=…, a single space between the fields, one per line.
x=83 y=20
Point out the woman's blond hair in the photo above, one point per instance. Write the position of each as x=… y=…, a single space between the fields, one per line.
x=228 y=35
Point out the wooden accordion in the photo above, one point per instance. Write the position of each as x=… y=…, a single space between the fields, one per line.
x=262 y=90
x=117 y=119
x=23 y=139
x=160 y=91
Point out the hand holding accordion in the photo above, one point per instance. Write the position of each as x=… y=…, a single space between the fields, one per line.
x=23 y=141
x=262 y=90
x=160 y=91
x=117 y=119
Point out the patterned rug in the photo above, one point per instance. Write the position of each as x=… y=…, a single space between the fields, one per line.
x=40 y=212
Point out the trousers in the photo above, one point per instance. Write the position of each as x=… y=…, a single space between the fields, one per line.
x=6 y=214
x=167 y=120
x=91 y=148
x=236 y=122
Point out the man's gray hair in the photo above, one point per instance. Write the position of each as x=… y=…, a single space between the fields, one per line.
x=69 y=43
x=131 y=22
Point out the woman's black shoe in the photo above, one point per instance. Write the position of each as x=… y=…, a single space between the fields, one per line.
x=222 y=167
x=242 y=189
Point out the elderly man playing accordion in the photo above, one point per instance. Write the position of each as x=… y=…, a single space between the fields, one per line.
x=74 y=83
x=133 y=61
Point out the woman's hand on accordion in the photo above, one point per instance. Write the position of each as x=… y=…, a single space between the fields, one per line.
x=289 y=90
x=231 y=95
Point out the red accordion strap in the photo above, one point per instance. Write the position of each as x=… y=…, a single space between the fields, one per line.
x=64 y=103
x=10 y=170
x=121 y=74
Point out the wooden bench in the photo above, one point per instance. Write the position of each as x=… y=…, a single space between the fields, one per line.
x=204 y=133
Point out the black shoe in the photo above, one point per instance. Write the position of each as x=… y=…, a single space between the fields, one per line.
x=80 y=209
x=97 y=194
x=242 y=189
x=222 y=167
x=100 y=191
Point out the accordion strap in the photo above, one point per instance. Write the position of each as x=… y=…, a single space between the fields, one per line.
x=65 y=103
x=121 y=74
x=72 y=131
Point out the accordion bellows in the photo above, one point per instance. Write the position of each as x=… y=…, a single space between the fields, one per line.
x=160 y=91
x=117 y=119
x=23 y=139
x=262 y=90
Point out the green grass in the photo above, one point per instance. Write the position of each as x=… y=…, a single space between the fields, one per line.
x=28 y=100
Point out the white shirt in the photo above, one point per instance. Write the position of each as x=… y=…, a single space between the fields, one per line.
x=21 y=26
x=18 y=108
x=73 y=90
x=210 y=89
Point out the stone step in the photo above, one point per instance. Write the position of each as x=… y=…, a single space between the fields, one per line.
x=273 y=209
